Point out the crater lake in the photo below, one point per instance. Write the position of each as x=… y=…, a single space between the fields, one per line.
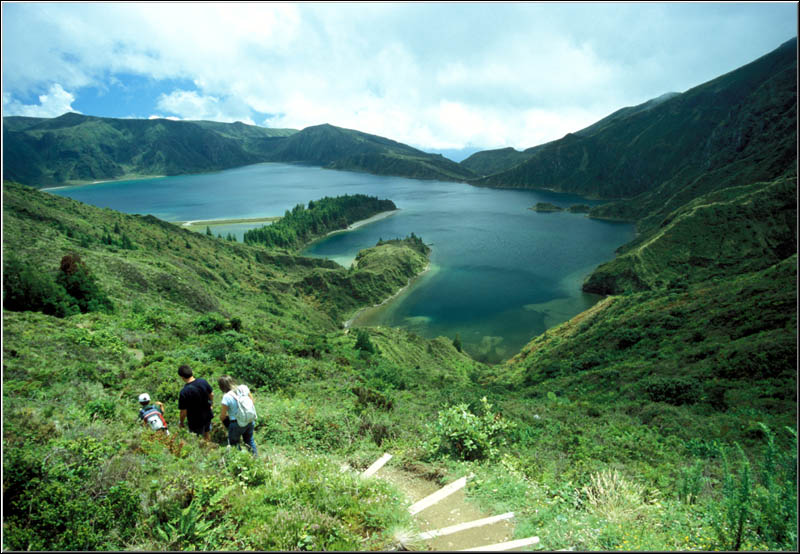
x=500 y=272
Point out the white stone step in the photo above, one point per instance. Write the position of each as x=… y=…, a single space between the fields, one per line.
x=463 y=526
x=376 y=465
x=510 y=545
x=432 y=499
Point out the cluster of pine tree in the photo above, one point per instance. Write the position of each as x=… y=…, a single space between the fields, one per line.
x=301 y=224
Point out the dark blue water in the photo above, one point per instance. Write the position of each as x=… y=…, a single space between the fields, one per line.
x=500 y=273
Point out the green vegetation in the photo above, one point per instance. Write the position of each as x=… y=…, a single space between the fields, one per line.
x=663 y=418
x=338 y=148
x=71 y=290
x=301 y=225
x=662 y=146
x=587 y=458
x=76 y=148
x=546 y=207
x=489 y=162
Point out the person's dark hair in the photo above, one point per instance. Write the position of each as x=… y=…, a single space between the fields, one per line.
x=226 y=383
x=185 y=371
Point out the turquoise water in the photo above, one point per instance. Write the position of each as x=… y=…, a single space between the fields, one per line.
x=500 y=273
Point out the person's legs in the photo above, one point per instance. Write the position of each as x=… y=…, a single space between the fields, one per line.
x=234 y=434
x=247 y=435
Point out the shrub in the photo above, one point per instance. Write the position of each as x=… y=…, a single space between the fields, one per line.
x=79 y=283
x=735 y=506
x=27 y=288
x=615 y=498
x=465 y=435
x=260 y=370
x=672 y=390
x=363 y=342
x=210 y=323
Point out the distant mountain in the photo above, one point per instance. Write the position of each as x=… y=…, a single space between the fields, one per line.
x=76 y=148
x=80 y=148
x=338 y=148
x=637 y=149
x=489 y=162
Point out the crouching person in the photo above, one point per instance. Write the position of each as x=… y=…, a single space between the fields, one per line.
x=238 y=413
x=152 y=414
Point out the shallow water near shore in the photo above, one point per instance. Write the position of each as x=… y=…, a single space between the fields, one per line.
x=501 y=273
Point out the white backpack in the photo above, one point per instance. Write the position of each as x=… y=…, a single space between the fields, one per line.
x=154 y=418
x=246 y=410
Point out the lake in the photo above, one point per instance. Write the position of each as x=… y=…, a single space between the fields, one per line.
x=500 y=273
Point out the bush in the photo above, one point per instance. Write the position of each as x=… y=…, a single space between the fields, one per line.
x=460 y=433
x=210 y=323
x=79 y=283
x=672 y=390
x=27 y=288
x=615 y=498
x=363 y=342
x=259 y=370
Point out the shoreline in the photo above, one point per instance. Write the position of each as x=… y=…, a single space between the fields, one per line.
x=132 y=177
x=348 y=323
x=211 y=222
x=353 y=226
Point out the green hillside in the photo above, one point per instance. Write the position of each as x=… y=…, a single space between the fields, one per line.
x=75 y=148
x=680 y=138
x=338 y=148
x=489 y=162
x=645 y=397
x=731 y=231
x=662 y=419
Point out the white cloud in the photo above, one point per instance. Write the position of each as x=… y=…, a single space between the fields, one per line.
x=193 y=106
x=56 y=102
x=431 y=74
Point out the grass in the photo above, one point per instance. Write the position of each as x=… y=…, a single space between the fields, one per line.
x=616 y=418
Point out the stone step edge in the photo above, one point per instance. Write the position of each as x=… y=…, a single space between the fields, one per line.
x=432 y=499
x=504 y=545
x=376 y=465
x=463 y=526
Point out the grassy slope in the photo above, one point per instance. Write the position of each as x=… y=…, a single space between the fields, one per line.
x=339 y=148
x=74 y=382
x=585 y=398
x=734 y=230
x=78 y=148
x=634 y=152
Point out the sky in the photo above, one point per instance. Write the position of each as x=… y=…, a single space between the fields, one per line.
x=438 y=76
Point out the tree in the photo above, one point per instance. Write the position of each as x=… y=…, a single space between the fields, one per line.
x=81 y=285
x=363 y=342
x=457 y=342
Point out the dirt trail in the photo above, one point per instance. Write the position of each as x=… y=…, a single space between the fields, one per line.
x=452 y=510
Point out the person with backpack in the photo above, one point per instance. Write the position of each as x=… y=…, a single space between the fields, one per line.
x=238 y=413
x=195 y=401
x=152 y=414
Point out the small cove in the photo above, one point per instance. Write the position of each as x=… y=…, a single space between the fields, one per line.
x=500 y=273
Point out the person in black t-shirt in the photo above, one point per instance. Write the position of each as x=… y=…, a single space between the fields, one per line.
x=195 y=403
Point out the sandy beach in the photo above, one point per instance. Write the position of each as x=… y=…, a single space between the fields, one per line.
x=88 y=183
x=212 y=222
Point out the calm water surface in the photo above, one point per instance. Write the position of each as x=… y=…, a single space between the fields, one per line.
x=500 y=273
